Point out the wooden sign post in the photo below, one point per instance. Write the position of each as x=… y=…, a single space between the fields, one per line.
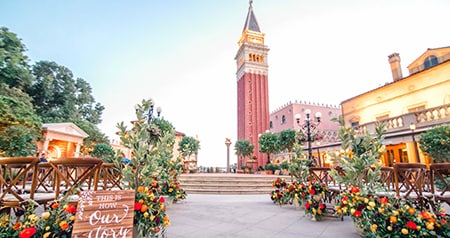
x=104 y=214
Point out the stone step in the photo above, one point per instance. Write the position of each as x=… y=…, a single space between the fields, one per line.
x=228 y=183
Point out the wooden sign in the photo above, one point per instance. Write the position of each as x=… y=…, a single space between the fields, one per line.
x=104 y=214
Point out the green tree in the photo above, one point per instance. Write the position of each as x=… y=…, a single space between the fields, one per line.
x=14 y=67
x=188 y=146
x=436 y=143
x=287 y=140
x=53 y=92
x=269 y=144
x=243 y=148
x=104 y=151
x=20 y=127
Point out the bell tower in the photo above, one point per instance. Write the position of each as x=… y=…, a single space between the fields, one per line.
x=252 y=86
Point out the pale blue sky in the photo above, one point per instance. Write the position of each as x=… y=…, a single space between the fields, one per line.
x=181 y=52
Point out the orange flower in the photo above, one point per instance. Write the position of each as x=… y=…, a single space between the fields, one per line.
x=393 y=219
x=154 y=183
x=384 y=200
x=64 y=225
x=143 y=208
x=17 y=226
x=140 y=189
x=55 y=205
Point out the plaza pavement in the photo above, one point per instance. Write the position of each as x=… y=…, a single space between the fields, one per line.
x=248 y=216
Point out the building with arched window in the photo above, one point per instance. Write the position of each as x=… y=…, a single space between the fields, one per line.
x=420 y=100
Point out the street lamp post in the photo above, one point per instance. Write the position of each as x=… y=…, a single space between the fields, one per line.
x=228 y=143
x=412 y=126
x=151 y=117
x=309 y=126
x=318 y=154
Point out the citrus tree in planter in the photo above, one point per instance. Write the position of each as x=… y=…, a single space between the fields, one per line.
x=141 y=173
x=359 y=164
x=436 y=143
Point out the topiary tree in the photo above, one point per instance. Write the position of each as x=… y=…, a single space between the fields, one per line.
x=104 y=151
x=436 y=143
x=268 y=144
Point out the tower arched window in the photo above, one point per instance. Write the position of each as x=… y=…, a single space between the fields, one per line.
x=430 y=61
x=283 y=119
x=271 y=125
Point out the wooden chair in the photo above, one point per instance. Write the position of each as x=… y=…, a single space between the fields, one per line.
x=411 y=181
x=440 y=173
x=110 y=176
x=387 y=181
x=74 y=174
x=14 y=176
x=387 y=178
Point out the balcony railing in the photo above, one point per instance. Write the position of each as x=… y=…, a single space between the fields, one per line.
x=423 y=119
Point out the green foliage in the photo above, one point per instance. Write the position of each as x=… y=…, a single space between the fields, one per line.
x=57 y=97
x=104 y=151
x=287 y=140
x=18 y=140
x=360 y=159
x=188 y=146
x=243 y=148
x=270 y=166
x=299 y=165
x=14 y=68
x=143 y=167
x=436 y=143
x=20 y=127
x=268 y=143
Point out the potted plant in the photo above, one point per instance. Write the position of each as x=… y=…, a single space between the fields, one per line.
x=269 y=167
x=247 y=169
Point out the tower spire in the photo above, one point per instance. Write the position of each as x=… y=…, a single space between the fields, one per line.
x=251 y=23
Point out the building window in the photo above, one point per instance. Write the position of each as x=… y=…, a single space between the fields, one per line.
x=355 y=124
x=382 y=117
x=430 y=61
x=417 y=108
x=271 y=125
x=283 y=119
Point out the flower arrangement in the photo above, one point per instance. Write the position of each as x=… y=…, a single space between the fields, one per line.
x=149 y=210
x=391 y=217
x=56 y=221
x=173 y=190
x=279 y=183
x=315 y=202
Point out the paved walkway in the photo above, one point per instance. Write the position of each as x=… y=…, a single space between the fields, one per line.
x=248 y=216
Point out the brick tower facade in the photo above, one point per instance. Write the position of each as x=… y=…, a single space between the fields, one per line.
x=252 y=86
